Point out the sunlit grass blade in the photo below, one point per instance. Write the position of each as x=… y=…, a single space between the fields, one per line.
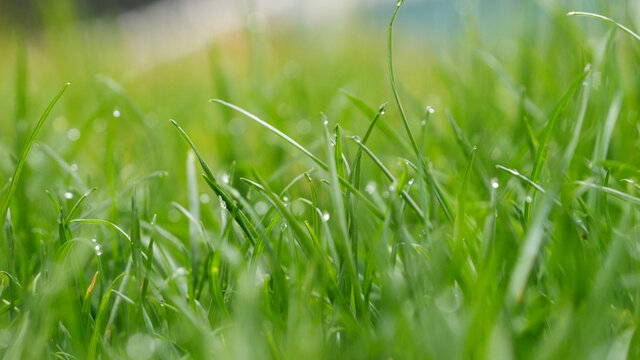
x=609 y=20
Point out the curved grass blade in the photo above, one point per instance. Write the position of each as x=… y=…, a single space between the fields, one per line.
x=23 y=156
x=404 y=193
x=102 y=222
x=79 y=203
x=607 y=190
x=392 y=78
x=242 y=219
x=549 y=130
x=609 y=20
x=320 y=163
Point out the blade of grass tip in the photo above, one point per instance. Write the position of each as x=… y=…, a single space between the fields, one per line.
x=466 y=148
x=435 y=187
x=273 y=130
x=370 y=113
x=355 y=174
x=404 y=193
x=609 y=20
x=354 y=178
x=333 y=173
x=315 y=159
x=210 y=179
x=549 y=130
x=79 y=203
x=517 y=174
x=392 y=78
x=305 y=241
x=103 y=222
x=616 y=193
x=6 y=202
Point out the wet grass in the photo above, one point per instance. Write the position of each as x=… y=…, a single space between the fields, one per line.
x=487 y=209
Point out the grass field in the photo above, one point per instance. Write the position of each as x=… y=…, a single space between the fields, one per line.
x=303 y=194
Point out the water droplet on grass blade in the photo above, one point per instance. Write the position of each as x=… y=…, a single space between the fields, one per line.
x=116 y=113
x=98 y=249
x=68 y=195
x=430 y=109
x=494 y=183
x=326 y=216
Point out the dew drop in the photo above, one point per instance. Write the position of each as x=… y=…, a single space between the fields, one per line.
x=204 y=198
x=430 y=109
x=98 y=249
x=73 y=167
x=226 y=178
x=356 y=138
x=326 y=216
x=411 y=182
x=94 y=240
x=528 y=199
x=494 y=183
x=73 y=134
x=261 y=207
x=68 y=195
x=326 y=122
x=370 y=188
x=116 y=113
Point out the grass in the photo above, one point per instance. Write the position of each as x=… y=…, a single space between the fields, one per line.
x=490 y=211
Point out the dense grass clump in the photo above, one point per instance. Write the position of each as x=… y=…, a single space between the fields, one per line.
x=479 y=200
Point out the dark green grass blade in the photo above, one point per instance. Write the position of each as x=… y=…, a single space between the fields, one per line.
x=243 y=220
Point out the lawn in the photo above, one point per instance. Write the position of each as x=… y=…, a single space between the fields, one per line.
x=370 y=191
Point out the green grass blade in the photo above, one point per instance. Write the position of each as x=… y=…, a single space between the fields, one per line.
x=6 y=201
x=609 y=20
